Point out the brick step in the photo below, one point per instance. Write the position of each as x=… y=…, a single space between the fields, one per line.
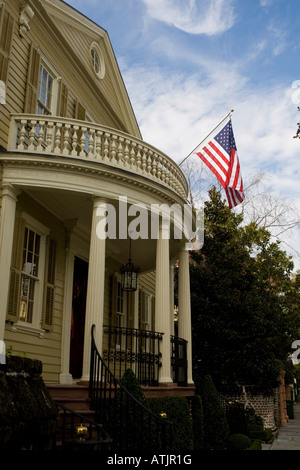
x=74 y=391
x=76 y=398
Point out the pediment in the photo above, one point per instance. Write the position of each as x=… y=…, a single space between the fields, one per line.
x=82 y=35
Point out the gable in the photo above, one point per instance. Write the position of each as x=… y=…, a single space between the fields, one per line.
x=81 y=34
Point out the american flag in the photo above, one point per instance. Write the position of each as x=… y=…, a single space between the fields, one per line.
x=220 y=155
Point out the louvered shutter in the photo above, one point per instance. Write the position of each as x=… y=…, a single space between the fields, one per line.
x=80 y=112
x=63 y=100
x=32 y=81
x=153 y=312
x=113 y=299
x=15 y=270
x=48 y=312
x=6 y=35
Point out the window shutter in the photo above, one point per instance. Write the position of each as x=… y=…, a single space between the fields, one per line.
x=142 y=309
x=153 y=311
x=113 y=298
x=47 y=322
x=32 y=81
x=15 y=270
x=6 y=35
x=80 y=112
x=63 y=101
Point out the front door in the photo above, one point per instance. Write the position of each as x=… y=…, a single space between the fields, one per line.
x=78 y=317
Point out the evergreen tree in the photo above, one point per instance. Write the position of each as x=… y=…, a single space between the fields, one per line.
x=245 y=311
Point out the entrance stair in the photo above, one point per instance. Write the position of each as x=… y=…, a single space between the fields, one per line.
x=77 y=428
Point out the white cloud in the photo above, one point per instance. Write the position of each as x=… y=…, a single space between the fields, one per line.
x=266 y=3
x=194 y=16
x=176 y=112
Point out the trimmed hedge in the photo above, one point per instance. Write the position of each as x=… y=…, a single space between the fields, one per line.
x=215 y=425
x=178 y=412
x=197 y=416
x=238 y=442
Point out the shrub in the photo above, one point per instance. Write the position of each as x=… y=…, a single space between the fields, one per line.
x=197 y=416
x=178 y=412
x=255 y=431
x=214 y=420
x=238 y=442
x=127 y=428
x=268 y=435
x=236 y=417
x=252 y=417
x=255 y=445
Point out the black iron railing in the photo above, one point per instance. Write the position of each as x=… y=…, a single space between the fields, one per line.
x=179 y=360
x=77 y=432
x=136 y=349
x=131 y=425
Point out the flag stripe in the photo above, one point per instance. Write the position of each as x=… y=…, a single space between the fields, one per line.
x=214 y=165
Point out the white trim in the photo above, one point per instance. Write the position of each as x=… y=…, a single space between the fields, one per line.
x=101 y=73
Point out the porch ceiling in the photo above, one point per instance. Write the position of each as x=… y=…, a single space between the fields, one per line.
x=69 y=205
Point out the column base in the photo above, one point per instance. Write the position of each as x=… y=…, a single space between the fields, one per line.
x=65 y=378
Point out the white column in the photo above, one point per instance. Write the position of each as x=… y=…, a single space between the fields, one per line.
x=162 y=301
x=65 y=376
x=184 y=307
x=7 y=223
x=95 y=291
x=172 y=300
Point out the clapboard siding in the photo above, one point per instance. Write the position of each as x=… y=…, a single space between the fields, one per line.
x=21 y=341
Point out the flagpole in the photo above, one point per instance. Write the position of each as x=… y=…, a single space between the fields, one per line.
x=229 y=114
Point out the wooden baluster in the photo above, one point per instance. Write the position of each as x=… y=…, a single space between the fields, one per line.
x=154 y=165
x=144 y=160
x=158 y=174
x=91 y=145
x=74 y=151
x=98 y=145
x=106 y=147
x=32 y=136
x=171 y=177
x=66 y=140
x=163 y=170
x=49 y=136
x=132 y=155
x=139 y=159
x=120 y=153
x=149 y=162
x=113 y=149
x=82 y=152
x=167 y=173
x=126 y=153
x=41 y=127
x=57 y=140
x=21 y=145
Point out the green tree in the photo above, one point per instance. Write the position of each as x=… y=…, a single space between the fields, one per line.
x=245 y=311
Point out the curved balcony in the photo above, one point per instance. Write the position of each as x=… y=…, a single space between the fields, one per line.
x=58 y=136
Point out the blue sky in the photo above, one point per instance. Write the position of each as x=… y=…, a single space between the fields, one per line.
x=186 y=63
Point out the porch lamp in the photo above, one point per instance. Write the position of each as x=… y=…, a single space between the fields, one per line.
x=129 y=274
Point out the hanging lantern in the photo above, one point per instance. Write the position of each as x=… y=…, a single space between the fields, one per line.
x=129 y=274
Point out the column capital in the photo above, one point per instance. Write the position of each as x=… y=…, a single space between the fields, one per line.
x=10 y=191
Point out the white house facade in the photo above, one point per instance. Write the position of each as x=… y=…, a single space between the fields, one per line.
x=78 y=185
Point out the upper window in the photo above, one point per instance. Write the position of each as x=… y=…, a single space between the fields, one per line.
x=45 y=91
x=97 y=61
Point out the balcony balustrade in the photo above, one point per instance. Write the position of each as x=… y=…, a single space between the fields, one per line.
x=90 y=142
